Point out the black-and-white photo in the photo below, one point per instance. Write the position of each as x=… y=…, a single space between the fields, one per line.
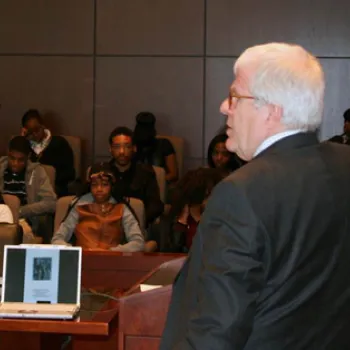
x=42 y=269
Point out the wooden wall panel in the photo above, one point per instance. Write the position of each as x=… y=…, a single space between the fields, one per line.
x=60 y=87
x=170 y=87
x=93 y=64
x=55 y=26
x=152 y=27
x=322 y=26
x=219 y=77
x=337 y=96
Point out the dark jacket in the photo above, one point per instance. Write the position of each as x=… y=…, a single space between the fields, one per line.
x=140 y=182
x=156 y=153
x=269 y=265
x=58 y=154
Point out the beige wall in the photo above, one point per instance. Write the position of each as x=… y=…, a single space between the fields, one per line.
x=93 y=64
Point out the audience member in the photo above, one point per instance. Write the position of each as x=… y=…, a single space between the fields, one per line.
x=133 y=179
x=219 y=157
x=26 y=180
x=152 y=150
x=98 y=221
x=49 y=149
x=188 y=203
x=344 y=138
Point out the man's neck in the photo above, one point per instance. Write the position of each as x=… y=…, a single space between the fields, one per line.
x=122 y=168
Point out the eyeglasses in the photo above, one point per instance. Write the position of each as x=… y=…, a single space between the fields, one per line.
x=118 y=147
x=233 y=95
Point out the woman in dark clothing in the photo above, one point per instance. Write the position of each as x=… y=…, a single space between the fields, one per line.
x=151 y=150
x=49 y=150
x=219 y=157
x=188 y=203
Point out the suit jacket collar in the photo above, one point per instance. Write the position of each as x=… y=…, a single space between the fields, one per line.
x=299 y=140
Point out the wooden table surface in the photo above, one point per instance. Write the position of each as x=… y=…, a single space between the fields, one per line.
x=101 y=271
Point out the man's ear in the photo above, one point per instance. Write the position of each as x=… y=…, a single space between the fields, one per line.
x=134 y=148
x=275 y=114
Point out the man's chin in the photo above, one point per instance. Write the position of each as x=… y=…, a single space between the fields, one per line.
x=123 y=162
x=231 y=145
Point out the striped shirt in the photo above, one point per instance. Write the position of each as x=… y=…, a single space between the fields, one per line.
x=15 y=184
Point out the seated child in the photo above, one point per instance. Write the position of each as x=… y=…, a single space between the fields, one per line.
x=98 y=221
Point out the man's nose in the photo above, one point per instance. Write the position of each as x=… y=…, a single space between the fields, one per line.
x=224 y=107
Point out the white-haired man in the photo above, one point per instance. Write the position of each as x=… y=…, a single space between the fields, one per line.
x=269 y=265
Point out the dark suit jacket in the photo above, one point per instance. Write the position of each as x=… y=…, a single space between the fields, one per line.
x=269 y=267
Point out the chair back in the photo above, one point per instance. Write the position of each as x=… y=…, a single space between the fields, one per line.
x=75 y=144
x=13 y=203
x=139 y=209
x=178 y=144
x=62 y=206
x=160 y=175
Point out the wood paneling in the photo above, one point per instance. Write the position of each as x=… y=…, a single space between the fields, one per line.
x=55 y=26
x=150 y=27
x=219 y=76
x=171 y=88
x=58 y=86
x=141 y=343
x=337 y=96
x=89 y=96
x=322 y=26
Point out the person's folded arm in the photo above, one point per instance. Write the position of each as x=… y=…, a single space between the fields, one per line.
x=133 y=234
x=46 y=197
x=231 y=274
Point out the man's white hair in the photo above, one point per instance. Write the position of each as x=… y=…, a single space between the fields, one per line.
x=287 y=76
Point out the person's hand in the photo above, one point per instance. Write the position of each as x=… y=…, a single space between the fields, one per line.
x=183 y=217
x=61 y=242
x=24 y=132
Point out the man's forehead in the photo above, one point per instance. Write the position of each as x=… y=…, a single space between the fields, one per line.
x=241 y=80
x=16 y=154
x=122 y=139
x=33 y=122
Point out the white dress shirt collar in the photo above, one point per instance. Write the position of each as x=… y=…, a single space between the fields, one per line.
x=273 y=139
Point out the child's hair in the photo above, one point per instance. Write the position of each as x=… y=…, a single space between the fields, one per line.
x=31 y=114
x=102 y=170
x=20 y=144
x=195 y=186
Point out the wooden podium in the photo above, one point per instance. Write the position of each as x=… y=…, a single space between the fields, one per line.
x=136 y=319
x=142 y=315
